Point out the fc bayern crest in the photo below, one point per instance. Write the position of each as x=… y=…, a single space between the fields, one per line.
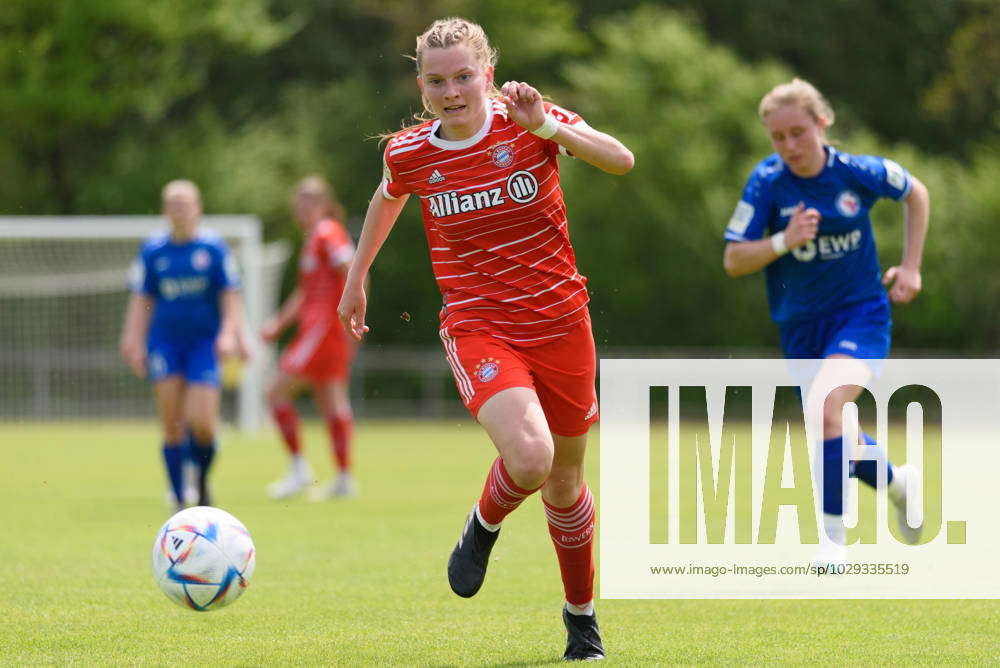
x=200 y=259
x=848 y=204
x=487 y=369
x=502 y=155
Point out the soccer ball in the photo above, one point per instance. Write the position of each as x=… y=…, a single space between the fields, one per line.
x=203 y=558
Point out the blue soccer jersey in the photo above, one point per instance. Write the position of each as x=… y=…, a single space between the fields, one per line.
x=185 y=281
x=840 y=266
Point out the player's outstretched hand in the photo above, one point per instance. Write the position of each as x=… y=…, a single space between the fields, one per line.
x=135 y=356
x=244 y=346
x=353 y=305
x=524 y=104
x=226 y=344
x=904 y=281
x=802 y=227
x=271 y=330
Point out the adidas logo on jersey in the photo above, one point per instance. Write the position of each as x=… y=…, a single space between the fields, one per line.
x=436 y=177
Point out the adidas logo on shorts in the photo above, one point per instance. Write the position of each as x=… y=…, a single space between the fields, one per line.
x=436 y=177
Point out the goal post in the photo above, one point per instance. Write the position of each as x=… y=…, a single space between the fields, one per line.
x=63 y=291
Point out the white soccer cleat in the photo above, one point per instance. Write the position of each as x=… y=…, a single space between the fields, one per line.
x=341 y=487
x=831 y=555
x=829 y=558
x=173 y=504
x=190 y=483
x=190 y=496
x=298 y=478
x=190 y=489
x=904 y=478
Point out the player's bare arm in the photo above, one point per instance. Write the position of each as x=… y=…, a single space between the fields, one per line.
x=231 y=339
x=746 y=257
x=288 y=313
x=379 y=220
x=132 y=346
x=524 y=107
x=905 y=277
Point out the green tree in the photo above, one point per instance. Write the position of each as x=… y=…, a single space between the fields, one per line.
x=651 y=242
x=103 y=102
x=965 y=98
x=79 y=77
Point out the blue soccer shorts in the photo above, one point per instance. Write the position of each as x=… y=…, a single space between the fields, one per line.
x=862 y=330
x=194 y=359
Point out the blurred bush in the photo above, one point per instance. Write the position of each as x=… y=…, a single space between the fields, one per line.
x=104 y=102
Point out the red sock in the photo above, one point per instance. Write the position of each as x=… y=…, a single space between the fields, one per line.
x=572 y=532
x=341 y=428
x=287 y=419
x=500 y=494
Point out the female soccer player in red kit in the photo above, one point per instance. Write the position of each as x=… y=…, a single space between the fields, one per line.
x=320 y=355
x=514 y=318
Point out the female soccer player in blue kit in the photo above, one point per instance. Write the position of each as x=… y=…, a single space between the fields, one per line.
x=803 y=218
x=184 y=312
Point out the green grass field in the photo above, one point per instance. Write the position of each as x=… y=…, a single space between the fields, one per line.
x=362 y=582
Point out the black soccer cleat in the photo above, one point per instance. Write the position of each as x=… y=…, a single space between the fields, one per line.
x=468 y=561
x=583 y=637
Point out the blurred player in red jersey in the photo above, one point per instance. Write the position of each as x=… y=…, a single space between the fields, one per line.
x=514 y=319
x=319 y=358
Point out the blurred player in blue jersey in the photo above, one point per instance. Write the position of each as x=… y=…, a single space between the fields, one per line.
x=803 y=218
x=183 y=314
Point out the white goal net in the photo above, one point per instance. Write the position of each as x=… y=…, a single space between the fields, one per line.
x=62 y=303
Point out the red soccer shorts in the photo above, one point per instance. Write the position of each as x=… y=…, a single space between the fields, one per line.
x=319 y=353
x=561 y=373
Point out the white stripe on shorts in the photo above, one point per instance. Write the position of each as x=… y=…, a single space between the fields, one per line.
x=306 y=348
x=462 y=379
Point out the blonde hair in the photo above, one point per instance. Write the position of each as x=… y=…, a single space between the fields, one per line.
x=799 y=93
x=453 y=31
x=180 y=185
x=441 y=34
x=317 y=186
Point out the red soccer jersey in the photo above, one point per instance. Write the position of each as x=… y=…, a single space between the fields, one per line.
x=321 y=273
x=496 y=226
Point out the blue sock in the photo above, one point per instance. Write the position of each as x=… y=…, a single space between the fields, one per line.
x=867 y=470
x=833 y=494
x=173 y=459
x=201 y=454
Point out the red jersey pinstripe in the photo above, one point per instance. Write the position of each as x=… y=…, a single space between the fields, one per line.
x=496 y=226
x=321 y=274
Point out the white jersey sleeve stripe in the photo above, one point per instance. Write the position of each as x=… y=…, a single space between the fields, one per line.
x=385 y=189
